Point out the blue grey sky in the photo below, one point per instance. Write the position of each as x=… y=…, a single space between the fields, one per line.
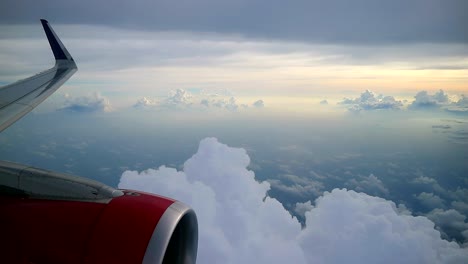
x=342 y=119
x=337 y=21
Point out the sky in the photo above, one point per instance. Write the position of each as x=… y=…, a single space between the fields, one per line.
x=307 y=131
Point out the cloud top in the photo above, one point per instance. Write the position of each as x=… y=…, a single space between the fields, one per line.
x=144 y=103
x=239 y=223
x=425 y=100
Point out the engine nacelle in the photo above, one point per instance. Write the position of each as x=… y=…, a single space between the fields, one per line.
x=41 y=223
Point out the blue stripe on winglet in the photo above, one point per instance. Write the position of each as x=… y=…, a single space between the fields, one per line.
x=54 y=43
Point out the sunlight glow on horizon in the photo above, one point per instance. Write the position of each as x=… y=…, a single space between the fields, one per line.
x=124 y=65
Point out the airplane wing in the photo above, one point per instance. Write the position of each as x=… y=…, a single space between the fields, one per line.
x=19 y=98
x=51 y=217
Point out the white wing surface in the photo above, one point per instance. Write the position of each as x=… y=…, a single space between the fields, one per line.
x=19 y=98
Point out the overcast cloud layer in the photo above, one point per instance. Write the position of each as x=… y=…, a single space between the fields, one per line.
x=360 y=21
x=239 y=224
x=126 y=65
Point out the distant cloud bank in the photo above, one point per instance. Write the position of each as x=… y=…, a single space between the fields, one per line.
x=370 y=101
x=181 y=99
x=423 y=100
x=239 y=223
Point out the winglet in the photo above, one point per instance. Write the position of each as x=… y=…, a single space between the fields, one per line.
x=59 y=50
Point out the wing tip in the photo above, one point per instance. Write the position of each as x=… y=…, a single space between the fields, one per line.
x=59 y=50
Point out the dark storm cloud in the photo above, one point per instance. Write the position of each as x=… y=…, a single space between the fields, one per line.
x=338 y=21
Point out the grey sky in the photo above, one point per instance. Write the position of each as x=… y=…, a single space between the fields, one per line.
x=336 y=21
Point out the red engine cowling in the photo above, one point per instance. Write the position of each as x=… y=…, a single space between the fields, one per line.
x=41 y=223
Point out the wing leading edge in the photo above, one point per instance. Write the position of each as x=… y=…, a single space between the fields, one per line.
x=19 y=98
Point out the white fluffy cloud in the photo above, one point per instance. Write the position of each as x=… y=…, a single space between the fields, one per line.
x=144 y=103
x=229 y=104
x=89 y=103
x=370 y=101
x=350 y=227
x=424 y=100
x=457 y=104
x=177 y=98
x=238 y=223
x=302 y=208
x=181 y=99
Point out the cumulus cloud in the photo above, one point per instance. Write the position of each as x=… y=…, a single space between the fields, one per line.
x=370 y=185
x=424 y=180
x=425 y=100
x=460 y=206
x=179 y=98
x=430 y=200
x=460 y=194
x=259 y=104
x=460 y=106
x=450 y=223
x=460 y=199
x=86 y=104
x=324 y=102
x=302 y=208
x=457 y=104
x=176 y=100
x=239 y=223
x=342 y=218
x=229 y=104
x=295 y=186
x=436 y=187
x=144 y=103
x=370 y=101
